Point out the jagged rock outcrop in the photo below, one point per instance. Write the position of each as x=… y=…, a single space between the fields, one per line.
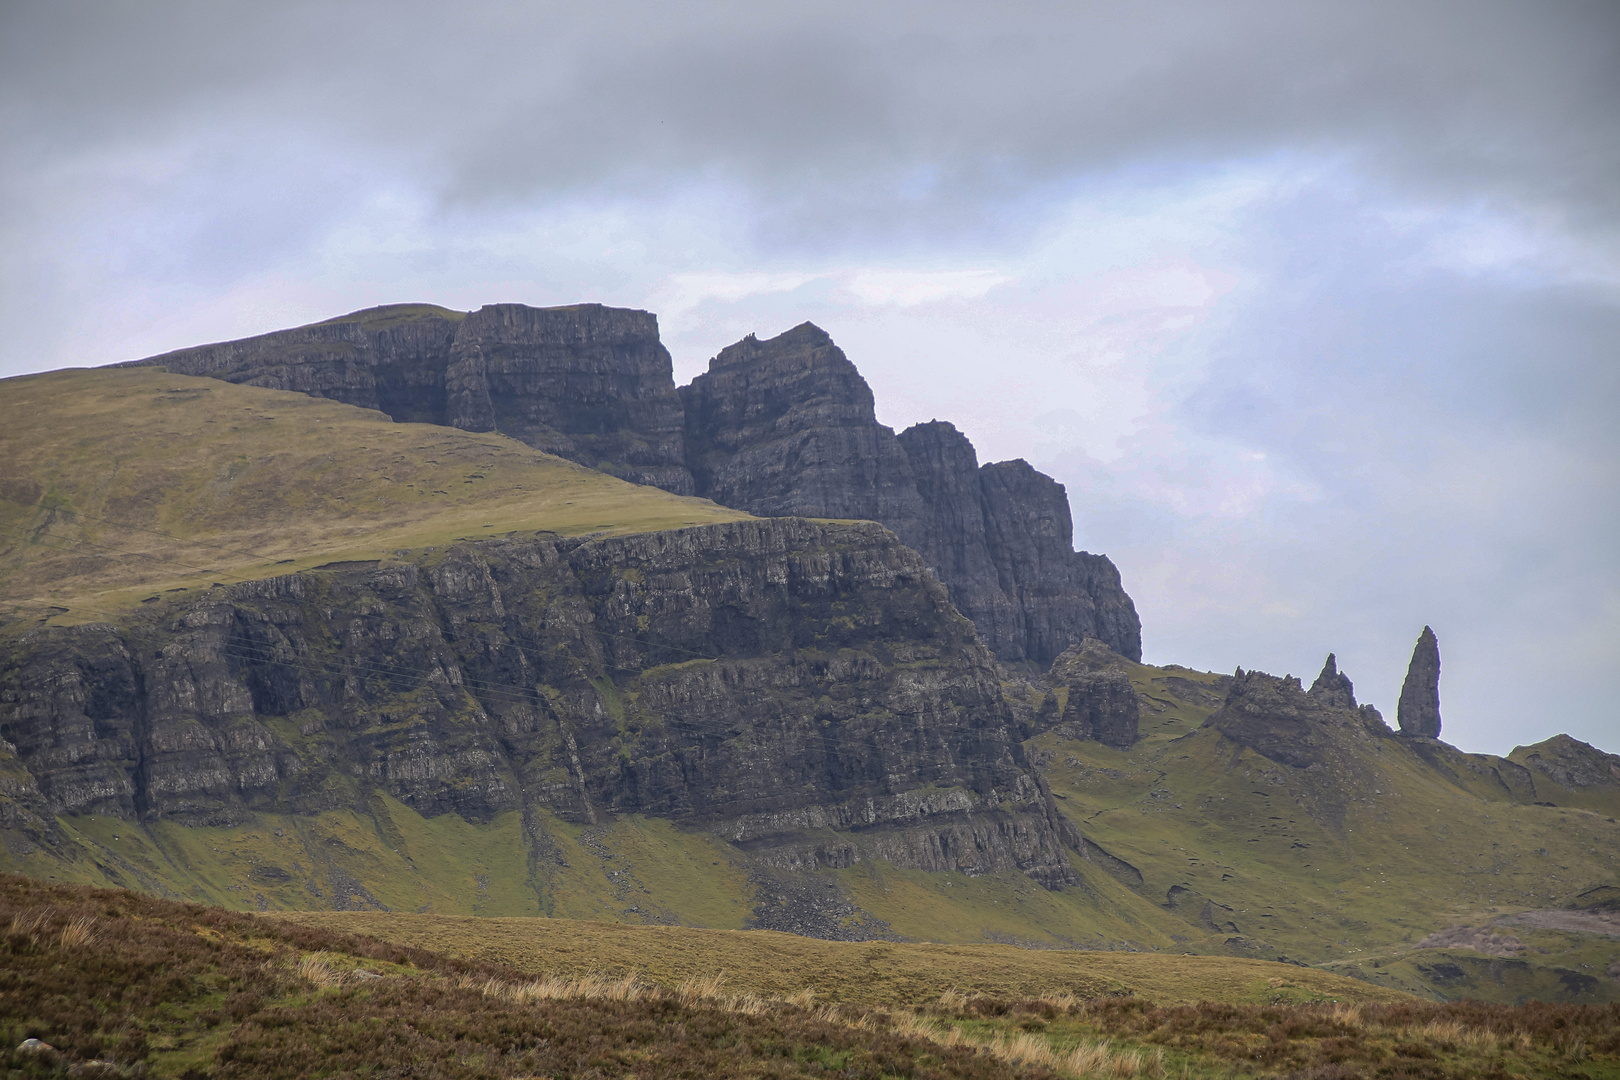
x=787 y=425
x=1275 y=717
x=1419 y=710
x=1059 y=596
x=779 y=427
x=589 y=383
x=805 y=691
x=1332 y=687
x=1100 y=703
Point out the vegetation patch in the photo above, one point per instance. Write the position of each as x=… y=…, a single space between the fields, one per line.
x=112 y=983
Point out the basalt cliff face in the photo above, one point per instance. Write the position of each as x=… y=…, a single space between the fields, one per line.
x=803 y=692
x=788 y=426
x=589 y=383
x=779 y=427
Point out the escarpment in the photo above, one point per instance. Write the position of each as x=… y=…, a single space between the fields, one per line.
x=784 y=426
x=589 y=383
x=804 y=691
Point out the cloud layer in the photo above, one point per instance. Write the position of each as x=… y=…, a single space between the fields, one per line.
x=1314 y=307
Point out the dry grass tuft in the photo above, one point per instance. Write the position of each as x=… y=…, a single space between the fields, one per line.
x=317 y=968
x=80 y=931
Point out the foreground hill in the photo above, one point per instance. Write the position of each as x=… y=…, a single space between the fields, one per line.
x=102 y=983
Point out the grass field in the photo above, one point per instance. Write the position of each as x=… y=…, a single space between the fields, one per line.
x=857 y=973
x=124 y=483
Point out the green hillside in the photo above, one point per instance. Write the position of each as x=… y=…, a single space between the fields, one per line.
x=117 y=485
x=1349 y=873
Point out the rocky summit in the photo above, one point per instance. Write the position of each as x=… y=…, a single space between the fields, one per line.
x=779 y=427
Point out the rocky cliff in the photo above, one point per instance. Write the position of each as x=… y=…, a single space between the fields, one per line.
x=1277 y=718
x=787 y=425
x=589 y=383
x=784 y=426
x=1101 y=703
x=804 y=691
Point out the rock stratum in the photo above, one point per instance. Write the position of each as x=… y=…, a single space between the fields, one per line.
x=781 y=427
x=804 y=691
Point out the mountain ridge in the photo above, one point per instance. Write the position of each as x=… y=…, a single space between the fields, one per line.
x=783 y=426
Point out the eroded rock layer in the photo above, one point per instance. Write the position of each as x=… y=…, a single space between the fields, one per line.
x=805 y=691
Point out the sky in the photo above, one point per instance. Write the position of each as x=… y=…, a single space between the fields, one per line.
x=1313 y=307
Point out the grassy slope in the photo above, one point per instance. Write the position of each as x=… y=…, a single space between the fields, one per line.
x=1415 y=854
x=864 y=973
x=637 y=869
x=119 y=484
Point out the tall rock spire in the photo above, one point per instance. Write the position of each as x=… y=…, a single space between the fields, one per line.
x=1333 y=687
x=1419 y=710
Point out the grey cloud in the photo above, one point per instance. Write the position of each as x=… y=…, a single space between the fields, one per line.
x=159 y=154
x=824 y=112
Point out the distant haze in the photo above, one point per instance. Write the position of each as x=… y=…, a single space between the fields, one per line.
x=1315 y=307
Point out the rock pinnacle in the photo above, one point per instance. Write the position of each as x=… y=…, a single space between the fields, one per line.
x=1419 y=710
x=1332 y=687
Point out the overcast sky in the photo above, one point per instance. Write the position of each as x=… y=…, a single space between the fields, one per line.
x=1315 y=308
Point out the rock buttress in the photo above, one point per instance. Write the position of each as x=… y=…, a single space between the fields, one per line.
x=1101 y=703
x=787 y=426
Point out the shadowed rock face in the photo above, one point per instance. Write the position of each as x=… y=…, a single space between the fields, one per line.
x=1277 y=718
x=1059 y=596
x=787 y=425
x=1101 y=703
x=1332 y=687
x=804 y=691
x=779 y=427
x=589 y=383
x=1419 y=710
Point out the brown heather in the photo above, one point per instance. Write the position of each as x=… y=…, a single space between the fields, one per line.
x=167 y=989
x=177 y=989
